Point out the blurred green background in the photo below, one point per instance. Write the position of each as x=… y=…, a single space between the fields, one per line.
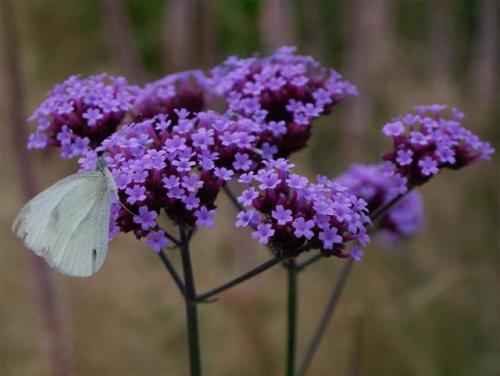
x=428 y=306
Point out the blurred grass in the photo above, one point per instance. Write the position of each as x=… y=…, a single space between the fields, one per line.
x=429 y=306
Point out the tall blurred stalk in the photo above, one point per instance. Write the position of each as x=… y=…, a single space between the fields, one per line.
x=207 y=37
x=315 y=39
x=189 y=34
x=44 y=285
x=483 y=77
x=120 y=38
x=441 y=38
x=368 y=45
x=177 y=32
x=276 y=24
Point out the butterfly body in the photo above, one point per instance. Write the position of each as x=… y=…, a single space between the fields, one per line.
x=68 y=223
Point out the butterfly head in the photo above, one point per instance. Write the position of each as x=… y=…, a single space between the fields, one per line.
x=101 y=164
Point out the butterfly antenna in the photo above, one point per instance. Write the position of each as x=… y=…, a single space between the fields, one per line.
x=124 y=207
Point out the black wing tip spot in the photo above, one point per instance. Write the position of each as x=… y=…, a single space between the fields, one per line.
x=94 y=259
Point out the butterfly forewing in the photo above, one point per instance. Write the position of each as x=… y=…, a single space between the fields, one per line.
x=67 y=224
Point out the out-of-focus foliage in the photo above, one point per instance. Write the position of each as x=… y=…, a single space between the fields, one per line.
x=429 y=306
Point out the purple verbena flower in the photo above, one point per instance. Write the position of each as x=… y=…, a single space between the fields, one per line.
x=330 y=236
x=135 y=194
x=282 y=215
x=223 y=173
x=248 y=196
x=146 y=218
x=356 y=253
x=246 y=218
x=263 y=233
x=205 y=217
x=157 y=240
x=242 y=162
x=404 y=157
x=393 y=129
x=92 y=115
x=428 y=166
x=303 y=228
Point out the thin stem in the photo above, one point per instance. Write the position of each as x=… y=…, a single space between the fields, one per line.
x=236 y=281
x=191 y=308
x=337 y=290
x=291 y=343
x=171 y=269
x=232 y=197
x=311 y=260
x=325 y=319
x=382 y=210
x=172 y=238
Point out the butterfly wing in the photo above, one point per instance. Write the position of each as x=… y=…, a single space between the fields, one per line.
x=67 y=224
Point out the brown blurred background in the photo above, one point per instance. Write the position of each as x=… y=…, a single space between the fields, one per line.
x=428 y=306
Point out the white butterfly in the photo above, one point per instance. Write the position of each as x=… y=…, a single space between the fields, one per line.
x=68 y=223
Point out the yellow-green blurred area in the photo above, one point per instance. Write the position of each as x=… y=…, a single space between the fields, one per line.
x=426 y=306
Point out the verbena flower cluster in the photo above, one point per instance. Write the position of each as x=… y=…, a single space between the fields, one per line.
x=371 y=184
x=427 y=141
x=81 y=112
x=176 y=167
x=175 y=91
x=284 y=91
x=292 y=215
x=172 y=156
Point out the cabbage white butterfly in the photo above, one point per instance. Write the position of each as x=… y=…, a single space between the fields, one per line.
x=68 y=223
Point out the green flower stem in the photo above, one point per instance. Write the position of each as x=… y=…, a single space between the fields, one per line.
x=232 y=197
x=171 y=269
x=337 y=291
x=191 y=308
x=291 y=343
x=236 y=281
x=325 y=319
x=311 y=260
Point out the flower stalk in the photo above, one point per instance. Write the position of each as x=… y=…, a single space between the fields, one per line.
x=337 y=291
x=191 y=307
x=292 y=308
x=171 y=269
x=326 y=317
x=236 y=281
